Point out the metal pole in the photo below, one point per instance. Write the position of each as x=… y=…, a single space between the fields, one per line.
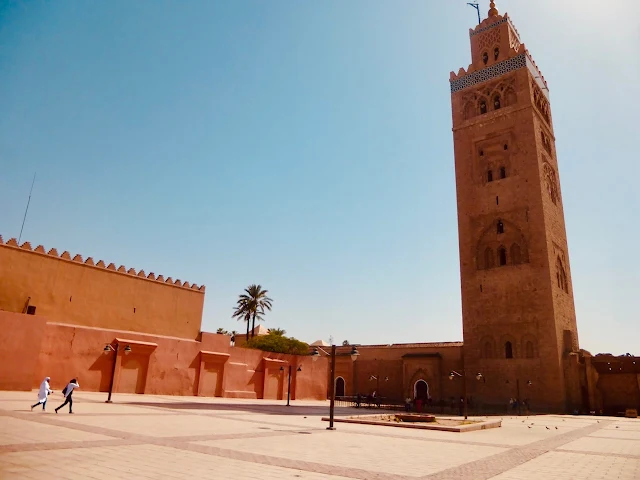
x=464 y=392
x=332 y=389
x=113 y=372
x=27 y=209
x=289 y=388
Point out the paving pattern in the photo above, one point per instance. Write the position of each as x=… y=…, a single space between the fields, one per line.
x=158 y=437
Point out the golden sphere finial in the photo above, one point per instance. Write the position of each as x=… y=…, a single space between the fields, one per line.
x=493 y=11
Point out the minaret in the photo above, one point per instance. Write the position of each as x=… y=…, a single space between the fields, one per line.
x=517 y=300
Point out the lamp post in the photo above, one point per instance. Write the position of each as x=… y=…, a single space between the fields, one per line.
x=453 y=374
x=108 y=349
x=299 y=369
x=332 y=394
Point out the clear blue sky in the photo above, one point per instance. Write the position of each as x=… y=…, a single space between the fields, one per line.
x=307 y=146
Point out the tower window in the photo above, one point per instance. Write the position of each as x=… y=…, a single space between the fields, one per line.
x=502 y=256
x=497 y=200
x=496 y=53
x=500 y=226
x=485 y=57
x=489 y=176
x=503 y=172
x=483 y=107
x=488 y=258
x=482 y=153
x=496 y=102
x=506 y=147
x=529 y=350
x=508 y=350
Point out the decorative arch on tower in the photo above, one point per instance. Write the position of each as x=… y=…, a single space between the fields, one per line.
x=529 y=346
x=487 y=347
x=550 y=182
x=508 y=347
x=495 y=249
x=561 y=275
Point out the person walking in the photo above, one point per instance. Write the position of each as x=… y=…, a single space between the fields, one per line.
x=43 y=393
x=68 y=392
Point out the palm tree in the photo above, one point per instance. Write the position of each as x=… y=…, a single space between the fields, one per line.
x=277 y=331
x=222 y=331
x=252 y=305
x=243 y=312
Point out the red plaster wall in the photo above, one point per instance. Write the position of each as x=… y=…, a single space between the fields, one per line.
x=33 y=349
x=69 y=291
x=20 y=339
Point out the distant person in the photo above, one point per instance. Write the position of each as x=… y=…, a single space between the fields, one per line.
x=407 y=404
x=68 y=392
x=43 y=393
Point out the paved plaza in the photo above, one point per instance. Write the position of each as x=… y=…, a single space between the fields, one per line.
x=161 y=437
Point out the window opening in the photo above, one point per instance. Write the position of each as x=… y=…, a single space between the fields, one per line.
x=502 y=254
x=483 y=107
x=503 y=172
x=496 y=102
x=496 y=53
x=489 y=176
x=508 y=350
x=497 y=201
x=485 y=57
x=500 y=226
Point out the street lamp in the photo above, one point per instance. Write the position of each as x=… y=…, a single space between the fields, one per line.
x=453 y=374
x=108 y=349
x=299 y=369
x=332 y=404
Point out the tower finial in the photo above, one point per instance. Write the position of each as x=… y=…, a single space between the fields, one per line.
x=493 y=11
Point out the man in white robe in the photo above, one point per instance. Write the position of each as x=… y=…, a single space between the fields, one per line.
x=43 y=393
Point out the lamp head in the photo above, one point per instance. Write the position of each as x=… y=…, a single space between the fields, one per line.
x=299 y=368
x=354 y=353
x=315 y=354
x=127 y=350
x=282 y=369
x=450 y=375
x=479 y=376
x=107 y=349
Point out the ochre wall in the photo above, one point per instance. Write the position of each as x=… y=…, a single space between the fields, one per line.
x=74 y=291
x=19 y=347
x=404 y=365
x=158 y=365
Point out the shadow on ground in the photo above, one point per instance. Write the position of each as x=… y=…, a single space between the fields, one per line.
x=306 y=410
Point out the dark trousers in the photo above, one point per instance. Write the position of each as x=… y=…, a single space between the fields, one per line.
x=44 y=404
x=68 y=400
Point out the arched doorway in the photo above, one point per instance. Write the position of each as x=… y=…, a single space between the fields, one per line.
x=421 y=390
x=339 y=387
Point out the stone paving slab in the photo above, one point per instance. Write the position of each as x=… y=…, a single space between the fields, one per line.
x=149 y=437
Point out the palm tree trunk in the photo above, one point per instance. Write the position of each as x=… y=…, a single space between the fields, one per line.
x=247 y=339
x=253 y=326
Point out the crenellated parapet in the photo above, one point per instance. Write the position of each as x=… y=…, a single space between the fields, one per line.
x=89 y=262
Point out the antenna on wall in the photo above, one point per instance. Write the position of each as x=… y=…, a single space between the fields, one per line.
x=477 y=7
x=27 y=209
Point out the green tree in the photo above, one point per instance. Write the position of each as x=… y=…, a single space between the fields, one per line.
x=277 y=331
x=278 y=344
x=346 y=343
x=222 y=331
x=252 y=305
